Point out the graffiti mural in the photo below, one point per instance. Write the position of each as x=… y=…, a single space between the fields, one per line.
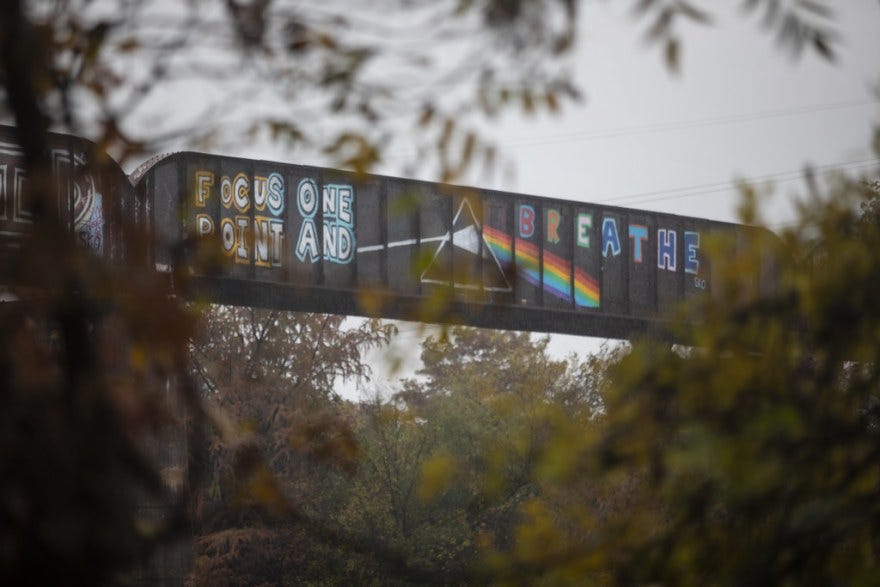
x=88 y=203
x=79 y=198
x=244 y=238
x=325 y=240
x=251 y=222
x=468 y=235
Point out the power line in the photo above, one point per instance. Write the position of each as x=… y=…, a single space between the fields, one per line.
x=695 y=190
x=584 y=136
x=685 y=124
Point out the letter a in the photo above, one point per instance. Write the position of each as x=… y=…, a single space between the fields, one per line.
x=307 y=244
x=610 y=238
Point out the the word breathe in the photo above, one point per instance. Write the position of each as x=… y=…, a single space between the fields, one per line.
x=638 y=234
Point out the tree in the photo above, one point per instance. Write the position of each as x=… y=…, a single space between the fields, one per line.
x=273 y=374
x=753 y=458
x=389 y=452
x=449 y=459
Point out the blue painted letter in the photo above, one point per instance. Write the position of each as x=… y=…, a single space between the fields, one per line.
x=666 y=249
x=691 y=244
x=638 y=233
x=610 y=238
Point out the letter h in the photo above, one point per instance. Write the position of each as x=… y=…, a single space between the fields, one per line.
x=666 y=249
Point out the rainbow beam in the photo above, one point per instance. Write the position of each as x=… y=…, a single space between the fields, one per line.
x=557 y=276
x=500 y=244
x=557 y=271
x=527 y=262
x=586 y=289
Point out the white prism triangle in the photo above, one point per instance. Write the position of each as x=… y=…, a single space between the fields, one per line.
x=467 y=238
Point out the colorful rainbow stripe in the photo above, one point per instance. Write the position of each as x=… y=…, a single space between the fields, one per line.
x=527 y=261
x=586 y=290
x=557 y=276
x=500 y=244
x=557 y=271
